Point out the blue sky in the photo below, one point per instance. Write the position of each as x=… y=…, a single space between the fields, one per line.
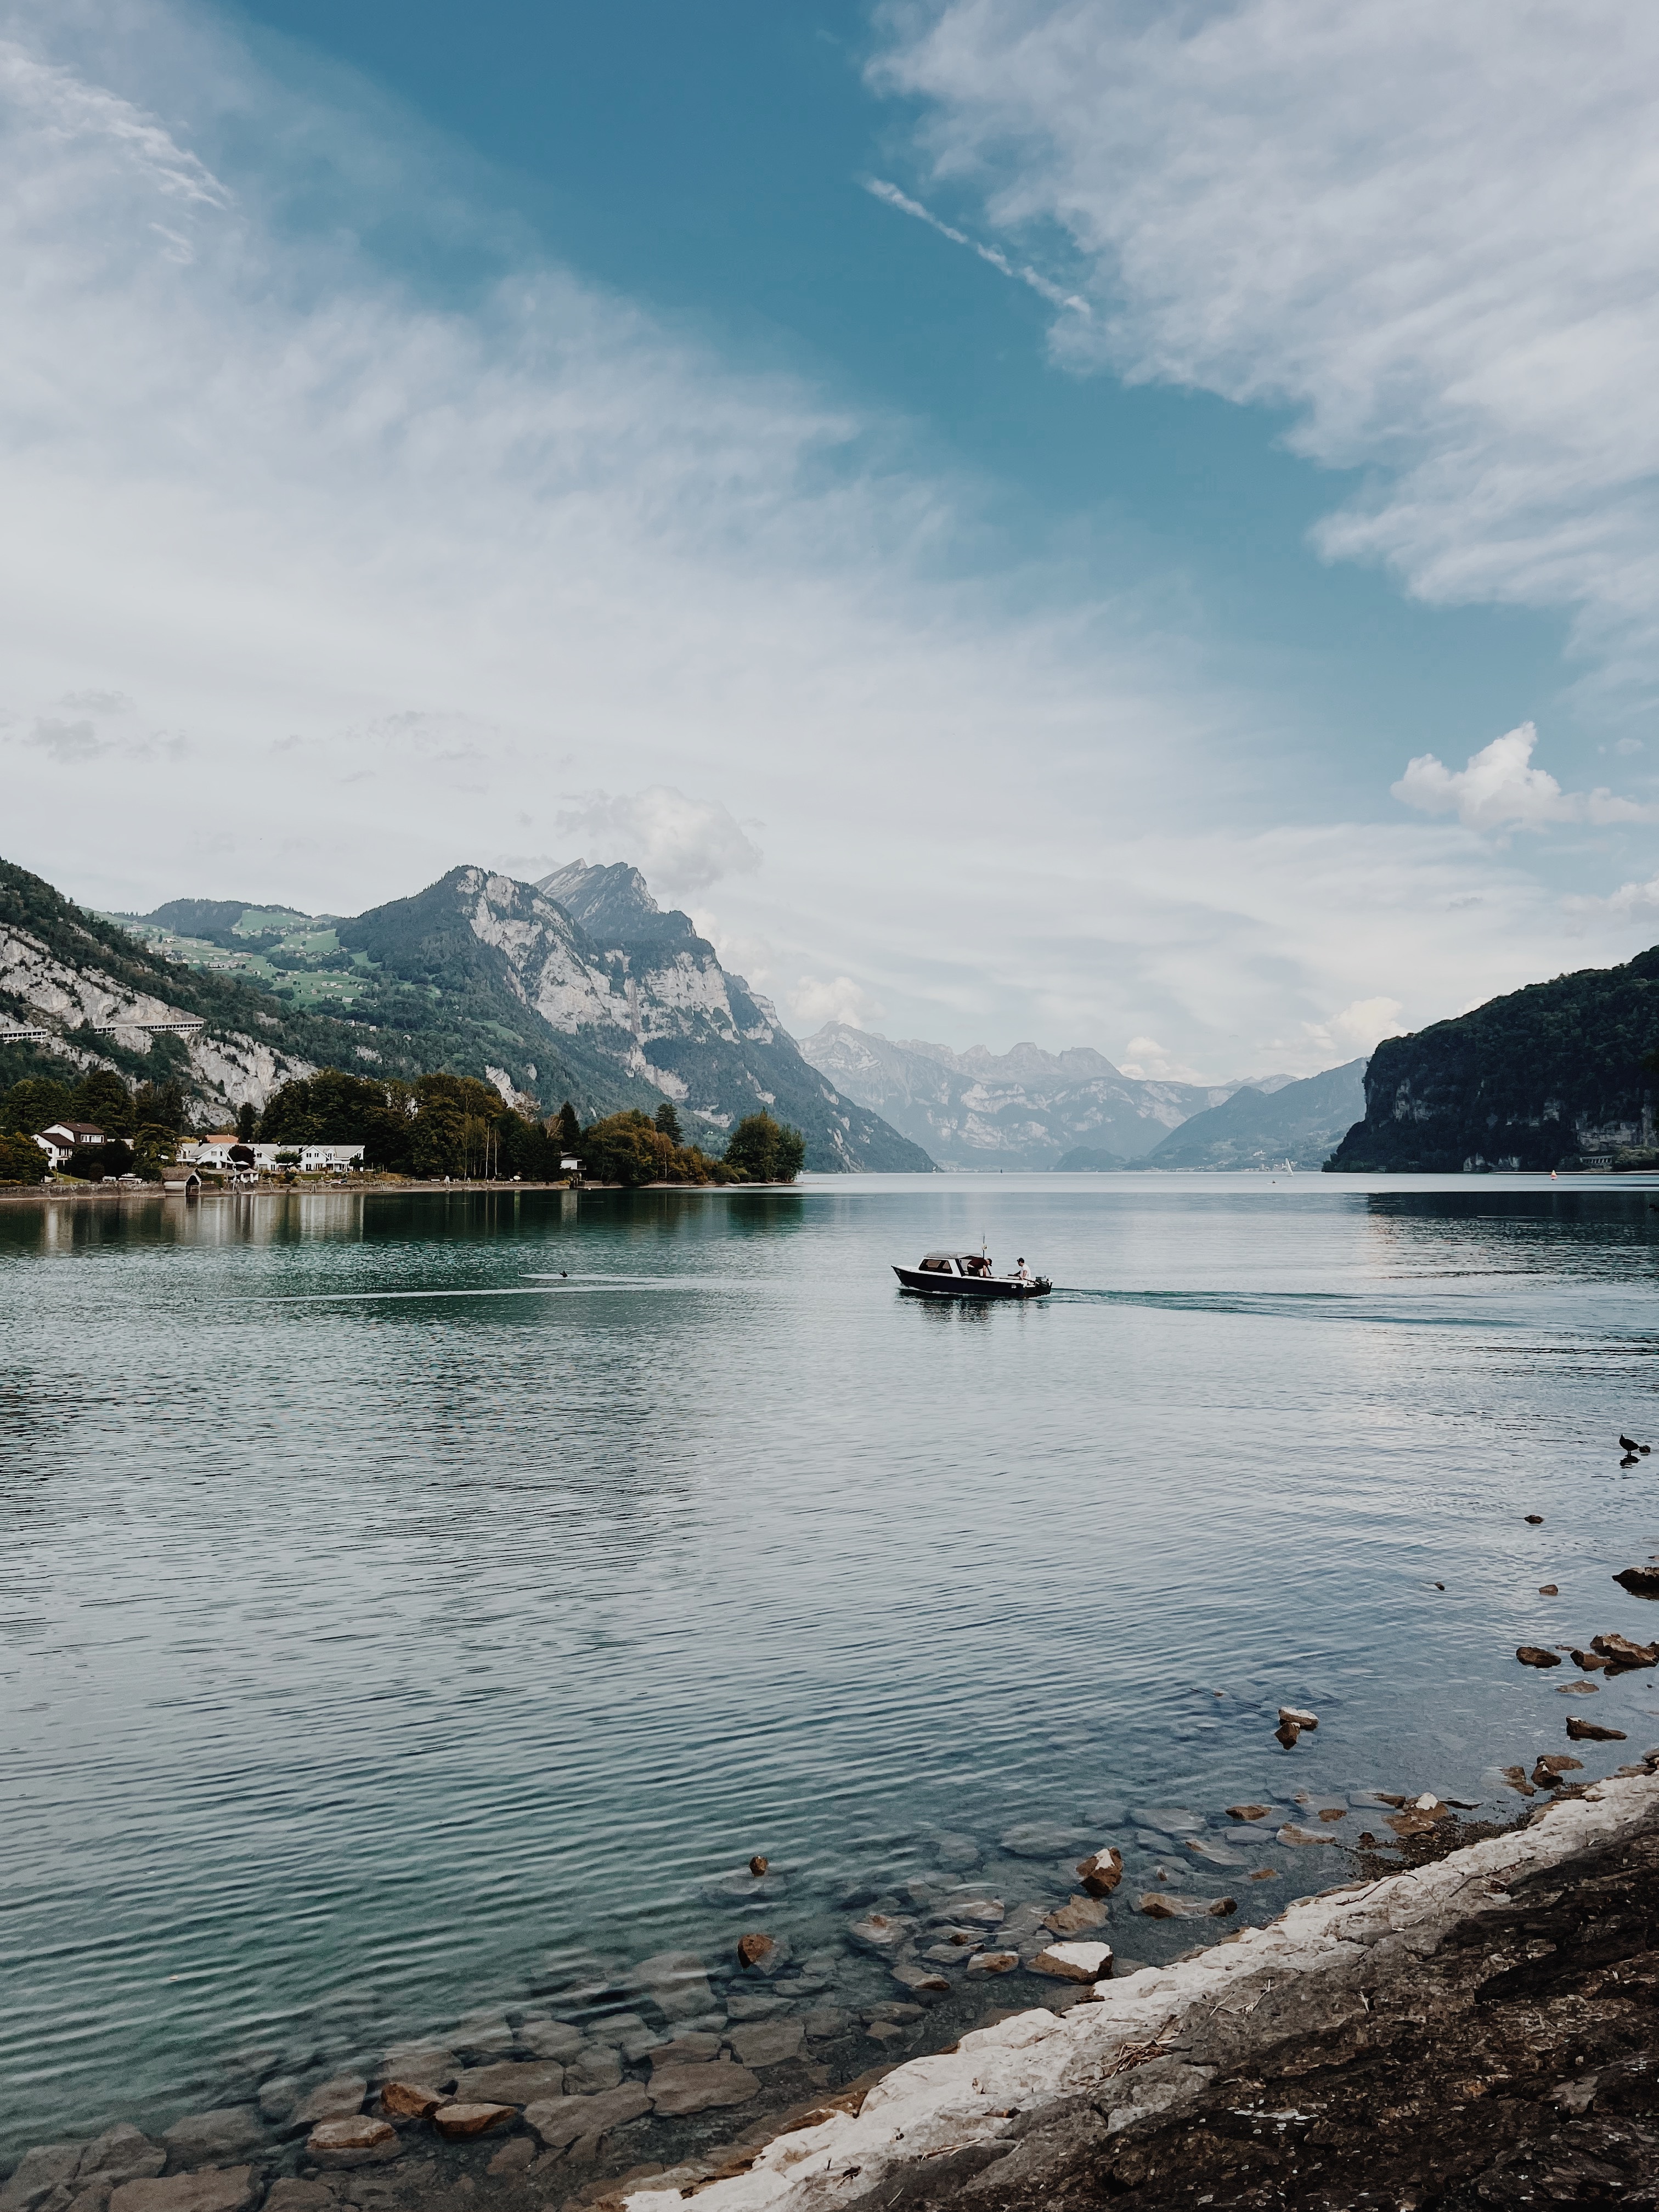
x=496 y=440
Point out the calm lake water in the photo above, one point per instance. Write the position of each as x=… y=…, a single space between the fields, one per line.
x=418 y=1605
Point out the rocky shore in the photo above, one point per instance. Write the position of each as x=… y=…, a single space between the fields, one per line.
x=1512 y=1977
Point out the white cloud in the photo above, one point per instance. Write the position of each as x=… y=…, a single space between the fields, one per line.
x=1499 y=789
x=812 y=1003
x=680 y=845
x=1055 y=295
x=1148 y=1062
x=1358 y=1028
x=1428 y=231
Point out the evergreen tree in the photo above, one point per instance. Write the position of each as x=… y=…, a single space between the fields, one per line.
x=570 y=1129
x=246 y=1119
x=668 y=1122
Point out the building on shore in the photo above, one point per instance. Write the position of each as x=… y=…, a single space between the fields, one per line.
x=69 y=1141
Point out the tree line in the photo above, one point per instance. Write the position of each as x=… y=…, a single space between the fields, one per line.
x=435 y=1126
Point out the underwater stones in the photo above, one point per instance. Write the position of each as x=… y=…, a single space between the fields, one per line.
x=289 y=2195
x=1592 y=1732
x=1579 y=1690
x=1289 y=1833
x=959 y=1853
x=927 y=1980
x=696 y=2050
x=562 y=2121
x=1101 y=1871
x=744 y=1888
x=549 y=2038
x=459 y=2122
x=1040 y=1840
x=220 y=2188
x=277 y=2099
x=976 y=1912
x=485 y=2033
x=1169 y=1819
x=426 y=2062
x=596 y=2067
x=753 y=2004
x=993 y=1962
x=760 y=1953
x=1074 y=1962
x=1076 y=1914
x=1161 y=1904
x=880 y=1935
x=885 y=2031
x=330 y=2100
x=411 y=2101
x=767 y=2041
x=336 y=2145
x=1213 y=1854
x=40 y=2171
x=1534 y=1654
x=676 y=1981
x=1640 y=1582
x=1516 y=1779
x=200 y=2136
x=676 y=2090
x=513 y=2157
x=1249 y=1812
x=120 y=2154
x=510 y=2082
x=825 y=2022
x=891 y=2009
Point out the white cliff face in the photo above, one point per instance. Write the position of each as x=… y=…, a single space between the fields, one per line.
x=242 y=1069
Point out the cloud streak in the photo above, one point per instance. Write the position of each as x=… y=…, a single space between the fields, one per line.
x=1019 y=273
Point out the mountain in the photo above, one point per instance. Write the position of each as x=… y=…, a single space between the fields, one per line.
x=1532 y=1081
x=1299 y=1123
x=1023 y=1109
x=478 y=974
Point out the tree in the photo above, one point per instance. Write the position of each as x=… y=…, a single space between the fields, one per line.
x=162 y=1103
x=668 y=1120
x=568 y=1130
x=103 y=1099
x=623 y=1148
x=762 y=1150
x=35 y=1103
x=245 y=1121
x=21 y=1160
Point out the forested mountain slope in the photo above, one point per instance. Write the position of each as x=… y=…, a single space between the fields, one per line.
x=1532 y=1081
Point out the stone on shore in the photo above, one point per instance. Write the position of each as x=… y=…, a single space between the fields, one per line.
x=1534 y=1654
x=1074 y=1962
x=1623 y=1652
x=596 y=2068
x=767 y=2041
x=549 y=2039
x=675 y=2090
x=1075 y=1914
x=412 y=2100
x=1640 y=1582
x=760 y=1953
x=219 y=2189
x=330 y=2100
x=676 y=1983
x=562 y=2121
x=1161 y=1904
x=40 y=2171
x=458 y=2123
x=512 y=2083
x=120 y=2154
x=201 y=2136
x=1101 y=1871
x=338 y=2145
x=993 y=1962
x=1592 y=1732
x=1249 y=1812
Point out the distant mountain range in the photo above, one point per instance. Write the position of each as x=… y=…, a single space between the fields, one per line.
x=1298 y=1125
x=1023 y=1109
x=1556 y=1075
x=608 y=1001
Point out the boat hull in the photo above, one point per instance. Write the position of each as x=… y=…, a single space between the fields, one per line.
x=923 y=1283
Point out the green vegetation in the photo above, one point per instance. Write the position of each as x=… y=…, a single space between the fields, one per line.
x=762 y=1150
x=21 y=1160
x=632 y=1149
x=439 y=1125
x=141 y=1124
x=1531 y=1079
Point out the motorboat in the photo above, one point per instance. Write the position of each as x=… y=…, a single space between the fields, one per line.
x=968 y=1275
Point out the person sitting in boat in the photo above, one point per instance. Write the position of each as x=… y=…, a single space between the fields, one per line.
x=1022 y=1272
x=973 y=1264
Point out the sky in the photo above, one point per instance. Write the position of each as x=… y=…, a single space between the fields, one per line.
x=1073 y=520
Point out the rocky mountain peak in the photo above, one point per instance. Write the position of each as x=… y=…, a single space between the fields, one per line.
x=612 y=904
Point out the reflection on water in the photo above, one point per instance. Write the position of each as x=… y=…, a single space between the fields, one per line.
x=369 y=1657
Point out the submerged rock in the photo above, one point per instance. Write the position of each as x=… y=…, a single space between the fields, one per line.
x=40 y=2171
x=337 y=2099
x=431 y=2062
x=957 y=1852
x=514 y=2082
x=753 y=2004
x=513 y=2157
x=882 y=1935
x=411 y=2101
x=1162 y=1904
x=1078 y=1913
x=918 y=1977
x=1213 y=1854
x=1516 y=1779
x=201 y=2136
x=768 y=2042
x=1289 y=1833
x=759 y=1954
x=220 y=2188
x=485 y=2033
x=993 y=1962
x=1249 y=1812
x=675 y=2090
x=676 y=1981
x=596 y=2067
x=120 y=2154
x=561 y=2121
x=340 y=2144
x=549 y=2038
x=825 y=2022
x=1534 y=1654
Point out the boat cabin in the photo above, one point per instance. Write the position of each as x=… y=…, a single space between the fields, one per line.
x=955 y=1263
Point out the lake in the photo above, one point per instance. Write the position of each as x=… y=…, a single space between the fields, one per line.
x=419 y=1605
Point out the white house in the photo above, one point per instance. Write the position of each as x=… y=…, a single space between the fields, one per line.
x=63 y=1141
x=224 y=1150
